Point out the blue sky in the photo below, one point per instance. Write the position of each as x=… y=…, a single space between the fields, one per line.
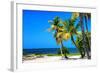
x=35 y=25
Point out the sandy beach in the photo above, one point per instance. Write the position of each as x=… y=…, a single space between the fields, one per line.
x=50 y=59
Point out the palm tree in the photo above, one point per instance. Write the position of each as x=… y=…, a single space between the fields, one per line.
x=79 y=43
x=72 y=29
x=87 y=16
x=59 y=32
x=81 y=15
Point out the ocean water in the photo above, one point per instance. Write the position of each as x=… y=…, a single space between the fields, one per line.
x=47 y=51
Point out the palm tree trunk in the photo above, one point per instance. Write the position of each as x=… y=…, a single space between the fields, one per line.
x=73 y=41
x=86 y=18
x=86 y=24
x=61 y=45
x=63 y=51
x=82 y=55
x=84 y=36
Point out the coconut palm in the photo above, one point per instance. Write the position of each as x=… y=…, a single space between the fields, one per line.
x=69 y=25
x=66 y=29
x=84 y=36
x=59 y=34
x=80 y=45
x=81 y=15
x=72 y=29
x=87 y=17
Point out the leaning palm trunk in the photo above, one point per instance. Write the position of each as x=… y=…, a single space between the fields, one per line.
x=88 y=42
x=81 y=52
x=63 y=51
x=86 y=18
x=84 y=37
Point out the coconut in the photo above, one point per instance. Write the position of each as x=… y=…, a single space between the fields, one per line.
x=66 y=36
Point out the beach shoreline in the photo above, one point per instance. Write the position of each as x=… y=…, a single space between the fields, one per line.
x=51 y=59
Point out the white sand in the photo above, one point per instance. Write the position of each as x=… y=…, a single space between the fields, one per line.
x=49 y=59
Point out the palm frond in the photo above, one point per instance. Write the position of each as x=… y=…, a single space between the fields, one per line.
x=77 y=26
x=74 y=15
